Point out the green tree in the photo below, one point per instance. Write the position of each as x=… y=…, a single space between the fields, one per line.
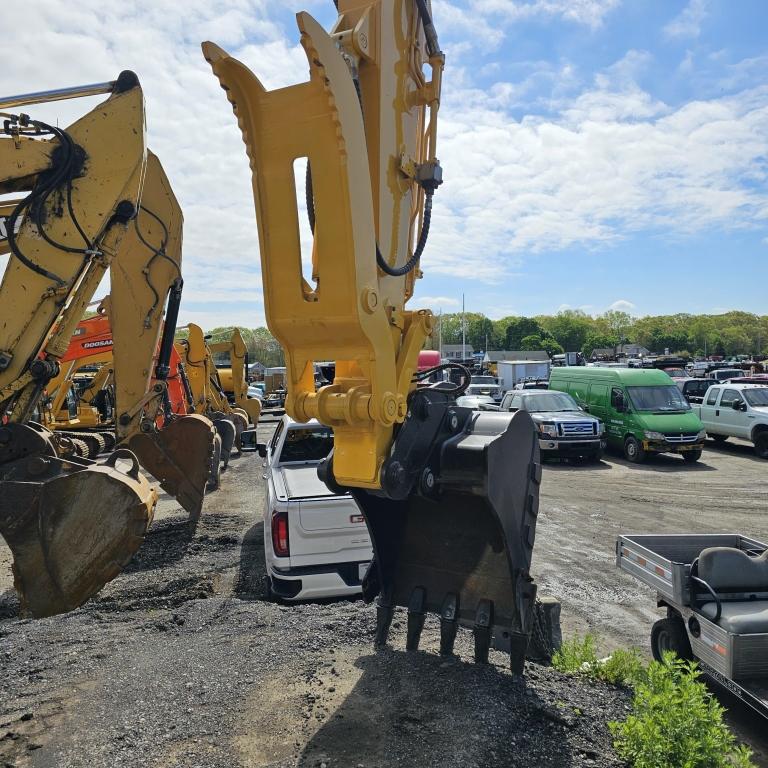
x=569 y=327
x=518 y=329
x=598 y=340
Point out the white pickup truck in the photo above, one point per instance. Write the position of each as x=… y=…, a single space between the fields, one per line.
x=736 y=410
x=316 y=543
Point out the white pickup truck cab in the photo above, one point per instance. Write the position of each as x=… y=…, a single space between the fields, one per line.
x=316 y=543
x=737 y=410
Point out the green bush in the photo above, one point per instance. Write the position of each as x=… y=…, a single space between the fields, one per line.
x=676 y=723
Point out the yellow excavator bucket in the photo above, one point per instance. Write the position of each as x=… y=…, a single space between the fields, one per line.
x=71 y=525
x=180 y=456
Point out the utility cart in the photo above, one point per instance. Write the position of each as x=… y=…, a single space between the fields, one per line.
x=715 y=590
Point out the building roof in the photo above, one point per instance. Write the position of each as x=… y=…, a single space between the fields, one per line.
x=457 y=348
x=537 y=355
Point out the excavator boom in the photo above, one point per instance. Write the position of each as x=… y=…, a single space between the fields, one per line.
x=450 y=495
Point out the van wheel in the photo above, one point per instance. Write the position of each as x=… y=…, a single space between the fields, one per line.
x=691 y=457
x=761 y=445
x=633 y=451
x=669 y=635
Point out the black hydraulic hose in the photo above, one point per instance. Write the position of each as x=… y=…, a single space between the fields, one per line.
x=457 y=389
x=430 y=33
x=420 y=245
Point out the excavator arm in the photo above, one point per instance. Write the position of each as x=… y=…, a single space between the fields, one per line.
x=147 y=272
x=450 y=495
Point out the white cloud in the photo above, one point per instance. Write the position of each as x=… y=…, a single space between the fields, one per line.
x=433 y=302
x=688 y=23
x=590 y=13
x=611 y=162
x=622 y=305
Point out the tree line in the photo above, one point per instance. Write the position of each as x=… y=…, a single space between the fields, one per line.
x=571 y=330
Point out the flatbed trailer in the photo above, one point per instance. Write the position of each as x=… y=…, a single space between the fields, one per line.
x=715 y=589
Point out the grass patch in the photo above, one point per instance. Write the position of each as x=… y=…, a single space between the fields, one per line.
x=675 y=721
x=579 y=657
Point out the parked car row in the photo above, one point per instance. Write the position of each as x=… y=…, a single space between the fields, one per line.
x=316 y=543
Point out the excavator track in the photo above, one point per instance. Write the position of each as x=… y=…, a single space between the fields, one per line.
x=94 y=441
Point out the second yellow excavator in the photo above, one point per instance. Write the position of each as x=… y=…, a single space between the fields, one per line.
x=450 y=495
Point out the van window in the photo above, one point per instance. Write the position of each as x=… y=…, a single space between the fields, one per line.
x=578 y=391
x=730 y=396
x=617 y=396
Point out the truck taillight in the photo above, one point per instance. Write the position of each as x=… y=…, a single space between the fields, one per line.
x=280 y=543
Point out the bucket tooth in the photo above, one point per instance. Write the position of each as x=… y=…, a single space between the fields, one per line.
x=179 y=456
x=384 y=613
x=448 y=624
x=482 y=630
x=415 y=618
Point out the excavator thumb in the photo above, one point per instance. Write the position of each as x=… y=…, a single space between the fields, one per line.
x=180 y=456
x=456 y=533
x=70 y=526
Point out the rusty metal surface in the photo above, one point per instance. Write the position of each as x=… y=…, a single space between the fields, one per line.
x=73 y=533
x=179 y=456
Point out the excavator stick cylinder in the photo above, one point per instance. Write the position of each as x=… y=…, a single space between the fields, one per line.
x=458 y=542
x=71 y=525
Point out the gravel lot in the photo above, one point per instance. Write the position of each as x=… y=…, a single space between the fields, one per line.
x=181 y=662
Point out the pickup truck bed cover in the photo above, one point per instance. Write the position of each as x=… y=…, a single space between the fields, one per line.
x=302 y=482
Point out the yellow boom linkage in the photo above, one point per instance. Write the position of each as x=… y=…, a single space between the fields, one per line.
x=450 y=495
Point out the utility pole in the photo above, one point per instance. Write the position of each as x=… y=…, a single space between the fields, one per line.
x=440 y=334
x=463 y=330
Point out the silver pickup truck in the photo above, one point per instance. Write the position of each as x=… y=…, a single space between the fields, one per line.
x=736 y=410
x=316 y=543
x=564 y=428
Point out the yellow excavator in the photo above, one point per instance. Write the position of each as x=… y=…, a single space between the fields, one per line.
x=450 y=495
x=96 y=200
x=207 y=395
x=230 y=359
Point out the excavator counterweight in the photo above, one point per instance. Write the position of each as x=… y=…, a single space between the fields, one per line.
x=450 y=495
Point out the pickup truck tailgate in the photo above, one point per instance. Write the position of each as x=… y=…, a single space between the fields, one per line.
x=324 y=528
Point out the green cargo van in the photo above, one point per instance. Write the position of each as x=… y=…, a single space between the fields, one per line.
x=642 y=409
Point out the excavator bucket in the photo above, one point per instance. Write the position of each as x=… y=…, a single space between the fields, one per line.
x=71 y=533
x=180 y=456
x=460 y=546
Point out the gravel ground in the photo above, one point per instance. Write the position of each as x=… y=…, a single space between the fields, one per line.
x=181 y=662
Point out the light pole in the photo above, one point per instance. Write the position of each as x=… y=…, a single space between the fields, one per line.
x=463 y=330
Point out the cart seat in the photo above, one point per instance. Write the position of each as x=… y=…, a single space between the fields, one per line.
x=731 y=572
x=745 y=617
x=727 y=569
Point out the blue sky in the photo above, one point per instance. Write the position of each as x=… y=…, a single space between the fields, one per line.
x=597 y=153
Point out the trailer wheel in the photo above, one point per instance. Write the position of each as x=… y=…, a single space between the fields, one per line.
x=669 y=635
x=633 y=451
